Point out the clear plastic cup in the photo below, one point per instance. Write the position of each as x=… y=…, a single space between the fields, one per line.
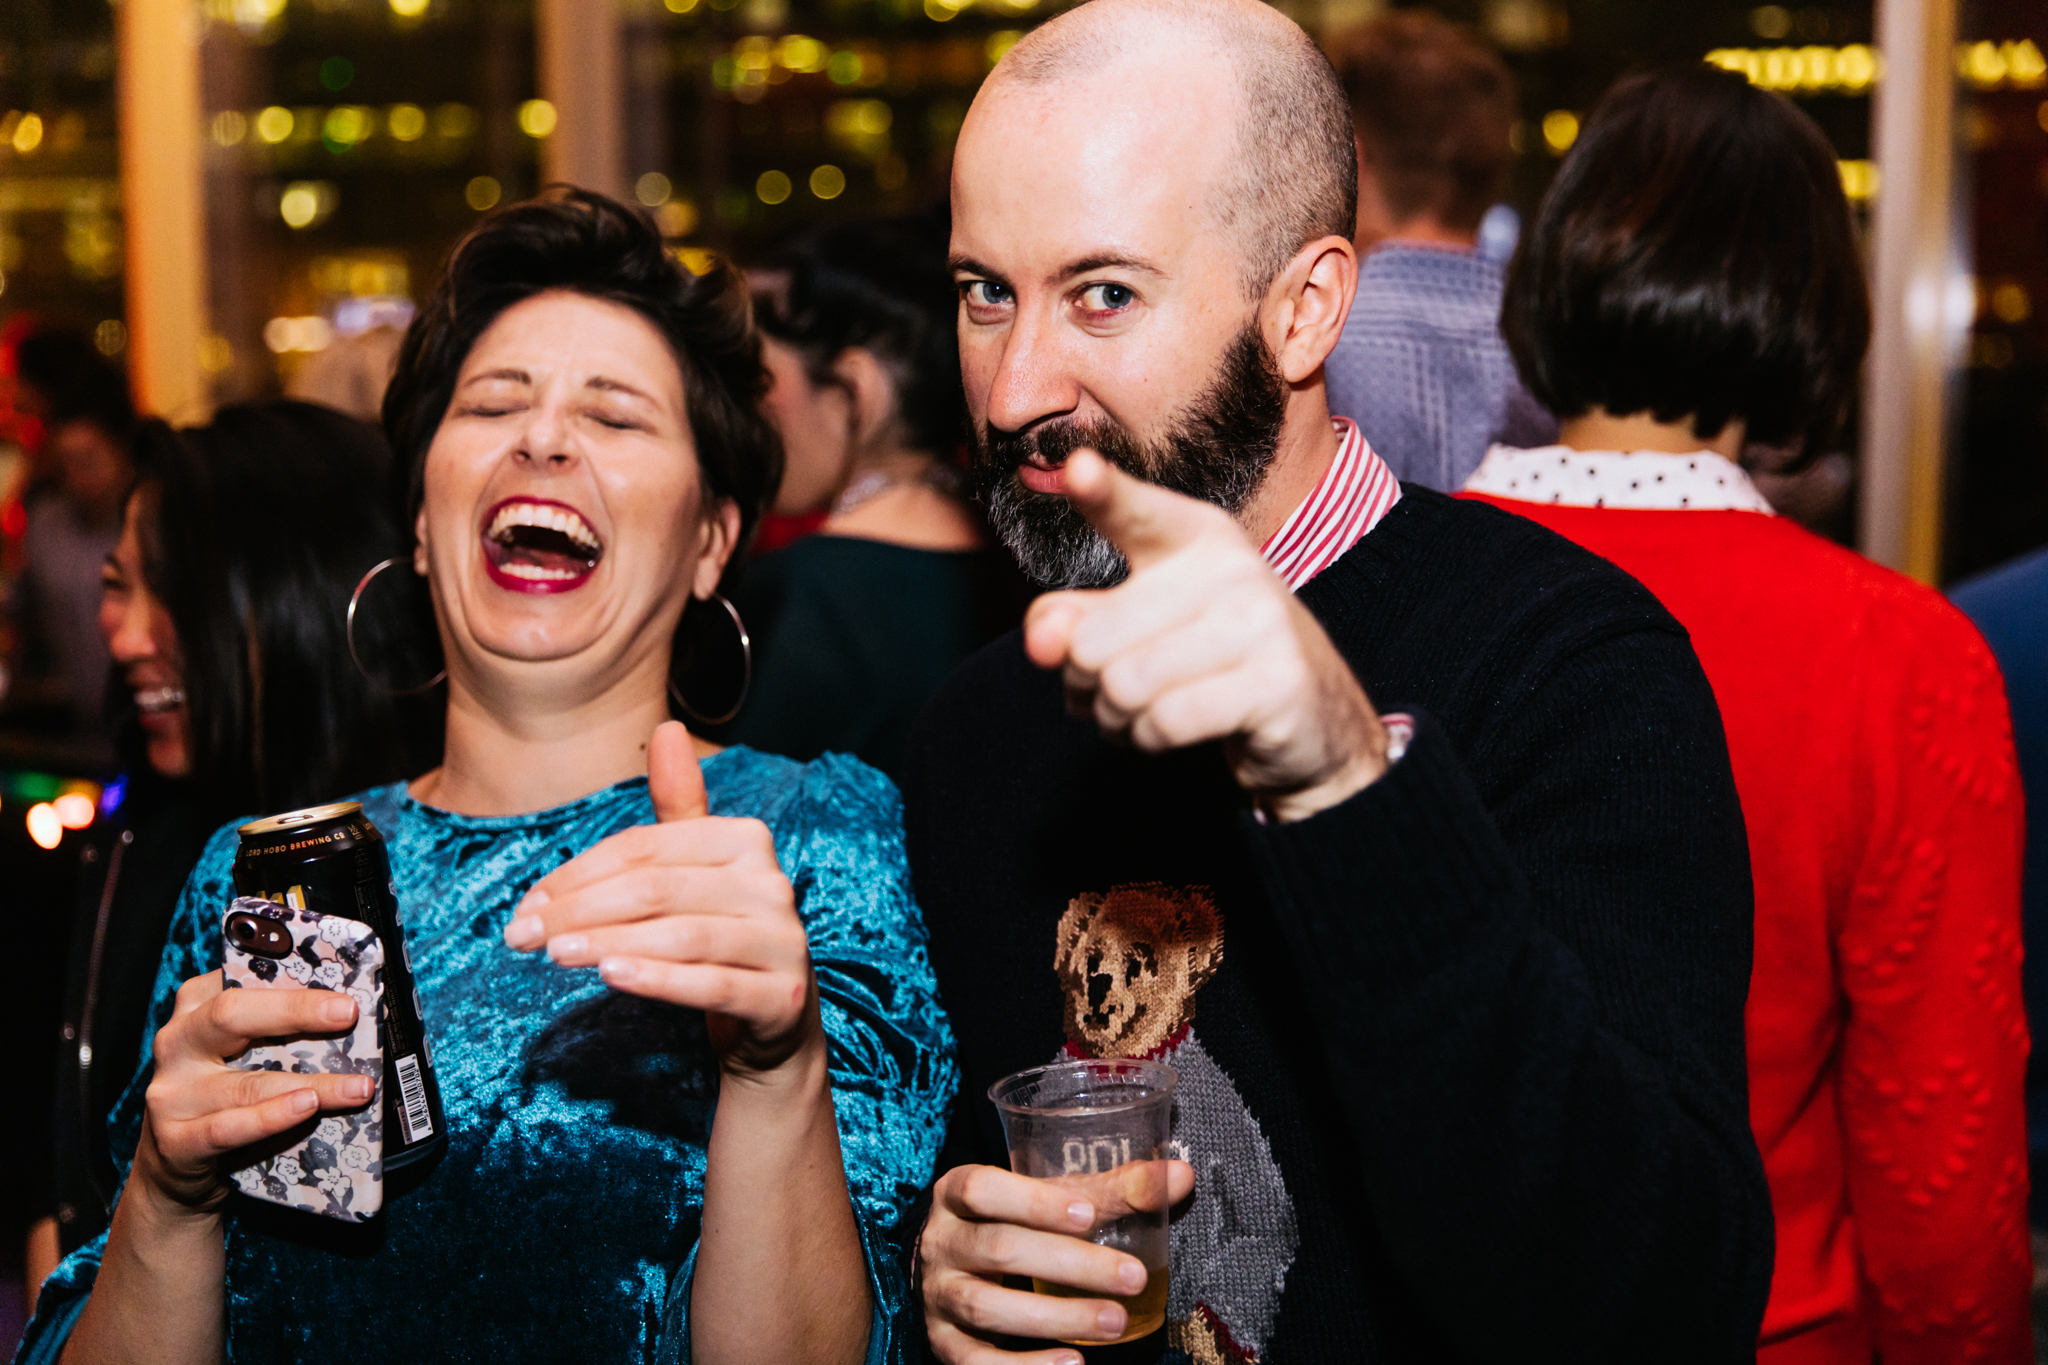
x=1101 y=1128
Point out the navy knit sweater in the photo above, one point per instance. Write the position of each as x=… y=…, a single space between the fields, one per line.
x=1461 y=1058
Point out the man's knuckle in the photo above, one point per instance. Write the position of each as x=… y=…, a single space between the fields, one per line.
x=1124 y=684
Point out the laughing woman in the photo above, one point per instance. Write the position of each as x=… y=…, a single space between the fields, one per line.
x=688 y=1041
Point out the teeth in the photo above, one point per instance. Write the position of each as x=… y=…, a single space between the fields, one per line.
x=154 y=699
x=537 y=573
x=563 y=519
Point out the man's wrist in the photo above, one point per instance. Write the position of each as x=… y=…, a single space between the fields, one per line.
x=1353 y=777
x=1388 y=742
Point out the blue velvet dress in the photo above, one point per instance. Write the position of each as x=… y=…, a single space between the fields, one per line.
x=561 y=1222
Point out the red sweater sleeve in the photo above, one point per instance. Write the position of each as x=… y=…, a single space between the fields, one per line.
x=1935 y=1044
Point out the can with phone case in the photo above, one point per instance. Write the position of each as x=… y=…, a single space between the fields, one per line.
x=330 y=860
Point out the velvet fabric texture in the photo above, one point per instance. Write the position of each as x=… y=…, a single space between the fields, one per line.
x=561 y=1222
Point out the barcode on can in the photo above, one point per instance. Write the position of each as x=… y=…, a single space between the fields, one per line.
x=412 y=1095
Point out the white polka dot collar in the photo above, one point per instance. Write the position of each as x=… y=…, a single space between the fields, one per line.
x=1643 y=480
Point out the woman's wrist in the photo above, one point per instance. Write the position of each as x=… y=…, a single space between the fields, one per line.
x=805 y=1070
x=167 y=1202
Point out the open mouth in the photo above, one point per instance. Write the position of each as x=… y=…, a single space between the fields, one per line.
x=155 y=701
x=538 y=545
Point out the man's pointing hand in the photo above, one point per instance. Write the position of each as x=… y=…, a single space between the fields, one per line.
x=1204 y=642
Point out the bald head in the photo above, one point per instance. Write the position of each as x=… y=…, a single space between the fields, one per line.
x=1288 y=172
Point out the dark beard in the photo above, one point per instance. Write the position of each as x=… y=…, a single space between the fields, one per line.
x=1218 y=450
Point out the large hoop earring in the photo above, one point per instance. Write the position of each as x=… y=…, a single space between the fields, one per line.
x=720 y=716
x=354 y=599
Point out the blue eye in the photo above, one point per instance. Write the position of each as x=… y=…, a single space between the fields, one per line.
x=987 y=293
x=1108 y=297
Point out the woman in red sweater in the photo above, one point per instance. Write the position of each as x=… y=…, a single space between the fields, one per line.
x=1691 y=284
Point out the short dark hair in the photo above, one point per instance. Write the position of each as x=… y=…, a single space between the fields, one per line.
x=1434 y=108
x=73 y=382
x=1695 y=258
x=881 y=284
x=584 y=243
x=255 y=529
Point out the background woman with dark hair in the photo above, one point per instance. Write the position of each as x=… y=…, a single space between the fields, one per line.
x=694 y=1151
x=222 y=606
x=1691 y=283
x=855 y=627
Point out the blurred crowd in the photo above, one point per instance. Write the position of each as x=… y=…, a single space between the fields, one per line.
x=1583 y=902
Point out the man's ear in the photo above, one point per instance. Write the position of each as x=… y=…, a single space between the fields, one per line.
x=419 y=541
x=1306 y=306
x=721 y=538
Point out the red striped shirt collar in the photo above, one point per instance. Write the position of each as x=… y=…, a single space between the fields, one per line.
x=1349 y=500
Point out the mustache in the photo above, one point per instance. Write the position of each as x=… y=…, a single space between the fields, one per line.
x=1217 y=448
x=1053 y=442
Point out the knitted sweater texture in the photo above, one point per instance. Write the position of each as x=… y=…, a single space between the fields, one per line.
x=1887 y=1041
x=1461 y=1058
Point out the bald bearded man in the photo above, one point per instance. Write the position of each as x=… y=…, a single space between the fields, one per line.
x=1403 y=830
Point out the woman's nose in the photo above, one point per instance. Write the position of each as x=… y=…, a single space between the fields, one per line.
x=546 y=438
x=125 y=624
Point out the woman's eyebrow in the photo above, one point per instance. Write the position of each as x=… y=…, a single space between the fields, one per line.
x=607 y=385
x=505 y=372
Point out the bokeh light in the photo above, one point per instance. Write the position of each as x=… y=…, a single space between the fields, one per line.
x=678 y=218
x=1859 y=180
x=828 y=182
x=653 y=189
x=43 y=825
x=306 y=203
x=1560 y=130
x=345 y=126
x=305 y=334
x=773 y=187
x=74 y=810
x=483 y=193
x=274 y=124
x=537 y=118
x=405 y=122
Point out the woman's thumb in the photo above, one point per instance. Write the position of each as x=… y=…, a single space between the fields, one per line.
x=673 y=777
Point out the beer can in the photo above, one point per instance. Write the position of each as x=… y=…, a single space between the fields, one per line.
x=330 y=859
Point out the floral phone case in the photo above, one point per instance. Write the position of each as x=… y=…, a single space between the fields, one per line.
x=337 y=1169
